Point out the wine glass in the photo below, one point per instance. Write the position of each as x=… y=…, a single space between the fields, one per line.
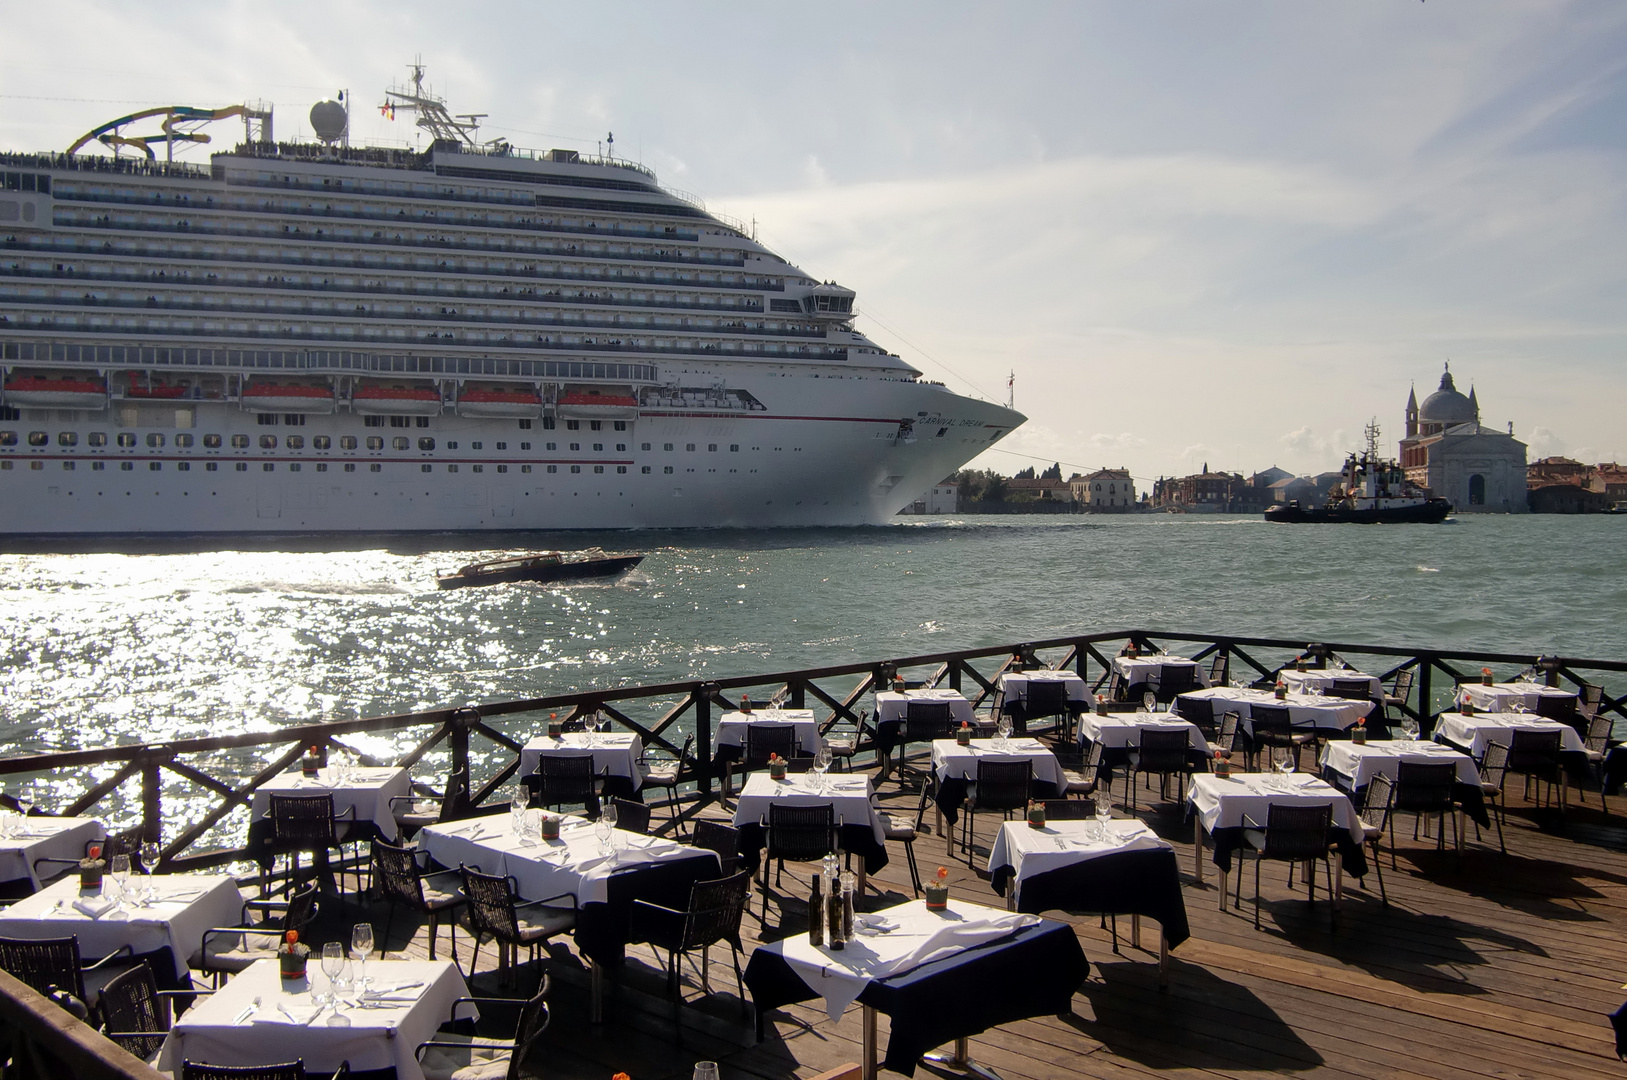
x=604 y=830
x=333 y=963
x=25 y=803
x=1104 y=814
x=1149 y=702
x=705 y=1070
x=1409 y=729
x=119 y=868
x=821 y=765
x=1002 y=730
x=361 y=943
x=517 y=806
x=150 y=854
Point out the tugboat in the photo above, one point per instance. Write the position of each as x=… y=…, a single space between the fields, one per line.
x=1371 y=491
x=541 y=566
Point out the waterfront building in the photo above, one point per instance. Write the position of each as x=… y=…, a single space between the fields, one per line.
x=944 y=498
x=1104 y=491
x=1200 y=493
x=1448 y=451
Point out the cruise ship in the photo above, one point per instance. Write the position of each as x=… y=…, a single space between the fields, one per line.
x=317 y=337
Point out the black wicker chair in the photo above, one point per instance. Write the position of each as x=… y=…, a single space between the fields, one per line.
x=1493 y=774
x=1535 y=756
x=565 y=780
x=1425 y=790
x=1396 y=697
x=1200 y=712
x=1292 y=834
x=1273 y=729
x=1375 y=823
x=1596 y=744
x=666 y=776
x=633 y=817
x=454 y=1054
x=1219 y=669
x=1163 y=753
x=1003 y=786
x=54 y=967
x=713 y=915
x=797 y=834
x=767 y=740
x=1043 y=698
x=720 y=838
x=426 y=806
x=301 y=823
x=227 y=950
x=1351 y=689
x=1069 y=809
x=136 y=1014
x=1226 y=735
x=402 y=882
x=924 y=721
x=493 y=909
x=1175 y=680
x=1081 y=773
x=288 y=1070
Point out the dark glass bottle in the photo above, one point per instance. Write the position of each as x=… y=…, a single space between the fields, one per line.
x=816 y=915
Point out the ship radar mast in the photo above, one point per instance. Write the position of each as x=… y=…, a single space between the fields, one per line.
x=433 y=116
x=1372 y=433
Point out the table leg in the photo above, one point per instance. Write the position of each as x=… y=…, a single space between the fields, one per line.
x=1135 y=931
x=1163 y=961
x=885 y=757
x=596 y=1004
x=869 y=1019
x=1197 y=850
x=961 y=1062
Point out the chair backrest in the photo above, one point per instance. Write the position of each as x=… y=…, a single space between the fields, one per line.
x=1589 y=698
x=1044 y=697
x=1197 y=710
x=1424 y=787
x=686 y=753
x=1115 y=687
x=1599 y=728
x=930 y=712
x=1219 y=668
x=715 y=908
x=766 y=740
x=1003 y=785
x=1401 y=688
x=631 y=816
x=1562 y=709
x=1380 y=797
x=1069 y=809
x=1176 y=679
x=301 y=910
x=564 y=779
x=1297 y=832
x=1228 y=731
x=1091 y=772
x=1533 y=751
x=533 y=1022
x=1162 y=751
x=1271 y=720
x=799 y=833
x=721 y=838
x=46 y=964
x=133 y=1010
x=397 y=875
x=305 y=820
x=491 y=904
x=1353 y=689
x=292 y=1070
x=1494 y=765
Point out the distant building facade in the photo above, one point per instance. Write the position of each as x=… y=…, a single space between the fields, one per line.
x=1201 y=493
x=1447 y=450
x=944 y=498
x=1104 y=491
x=1022 y=489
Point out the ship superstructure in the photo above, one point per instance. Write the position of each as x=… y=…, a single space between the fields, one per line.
x=319 y=337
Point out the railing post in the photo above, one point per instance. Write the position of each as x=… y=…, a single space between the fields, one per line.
x=954 y=675
x=799 y=695
x=1426 y=707
x=703 y=733
x=152 y=813
x=457 y=737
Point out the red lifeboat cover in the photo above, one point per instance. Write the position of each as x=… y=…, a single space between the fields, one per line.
x=514 y=397
x=287 y=391
x=395 y=393
x=58 y=386
x=598 y=399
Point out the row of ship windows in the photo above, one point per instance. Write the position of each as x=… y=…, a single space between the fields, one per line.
x=155 y=441
x=321 y=466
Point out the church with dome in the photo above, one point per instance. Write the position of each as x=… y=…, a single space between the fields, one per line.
x=1447 y=450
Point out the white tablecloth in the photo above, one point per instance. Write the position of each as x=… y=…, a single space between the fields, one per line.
x=373 y=1038
x=1503 y=697
x=618 y=751
x=1304 y=710
x=1478 y=731
x=369 y=790
x=916 y=936
x=890 y=704
x=731 y=727
x=1302 y=682
x=1223 y=802
x=1015 y=684
x=1029 y=851
x=186 y=906
x=1124 y=729
x=45 y=838
x=849 y=794
x=1150 y=669
x=951 y=760
x=1383 y=757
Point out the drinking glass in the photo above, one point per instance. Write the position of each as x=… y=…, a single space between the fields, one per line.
x=1002 y=729
x=119 y=868
x=361 y=943
x=1149 y=701
x=25 y=802
x=518 y=805
x=1104 y=814
x=602 y=829
x=333 y=963
x=821 y=765
x=1409 y=729
x=149 y=862
x=705 y=1070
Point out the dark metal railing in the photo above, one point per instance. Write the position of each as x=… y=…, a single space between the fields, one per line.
x=672 y=710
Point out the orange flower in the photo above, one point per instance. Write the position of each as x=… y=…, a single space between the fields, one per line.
x=621 y=1076
x=291 y=937
x=943 y=872
x=1485 y=671
x=1362 y=722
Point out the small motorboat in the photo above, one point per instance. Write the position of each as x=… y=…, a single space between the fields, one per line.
x=542 y=566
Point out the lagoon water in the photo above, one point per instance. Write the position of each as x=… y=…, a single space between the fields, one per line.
x=115 y=647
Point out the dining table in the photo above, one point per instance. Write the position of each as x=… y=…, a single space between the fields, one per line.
x=1310 y=713
x=1147 y=669
x=955 y=767
x=361 y=806
x=1473 y=733
x=24 y=841
x=940 y=976
x=1224 y=805
x=1351 y=767
x=257 y=1018
x=892 y=707
x=1321 y=680
x=166 y=927
x=603 y=884
x=1119 y=733
x=618 y=756
x=1514 y=696
x=859 y=825
x=733 y=728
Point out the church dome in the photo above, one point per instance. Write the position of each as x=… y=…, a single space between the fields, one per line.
x=1447 y=407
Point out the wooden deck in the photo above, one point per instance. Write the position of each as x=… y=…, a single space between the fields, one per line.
x=1482 y=965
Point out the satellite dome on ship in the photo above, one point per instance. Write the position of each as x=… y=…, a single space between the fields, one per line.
x=1447 y=407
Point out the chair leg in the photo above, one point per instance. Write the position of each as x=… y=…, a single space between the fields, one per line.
x=434 y=926
x=915 y=873
x=1378 y=864
x=1256 y=891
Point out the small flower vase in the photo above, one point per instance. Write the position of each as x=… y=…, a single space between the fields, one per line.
x=90 y=874
x=310 y=765
x=937 y=896
x=776 y=770
x=1359 y=736
x=1101 y=708
x=963 y=736
x=1299 y=665
x=1282 y=693
x=291 y=965
x=1222 y=767
x=1036 y=816
x=1485 y=680
x=548 y=829
x=555 y=729
x=1468 y=707
x=1131 y=652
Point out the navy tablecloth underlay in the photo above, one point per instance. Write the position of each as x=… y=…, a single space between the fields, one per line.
x=1035 y=972
x=952 y=793
x=1573 y=762
x=855 y=838
x=263 y=849
x=1128 y=883
x=603 y=930
x=1615 y=768
x=1618 y=1020
x=1351 y=854
x=1116 y=759
x=889 y=732
x=1469 y=797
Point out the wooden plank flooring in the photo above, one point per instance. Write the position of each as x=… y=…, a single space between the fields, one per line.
x=1482 y=965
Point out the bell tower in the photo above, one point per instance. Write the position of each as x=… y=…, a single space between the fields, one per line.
x=1412 y=413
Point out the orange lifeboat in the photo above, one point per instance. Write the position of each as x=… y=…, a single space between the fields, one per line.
x=396 y=401
x=597 y=404
x=511 y=403
x=288 y=398
x=69 y=392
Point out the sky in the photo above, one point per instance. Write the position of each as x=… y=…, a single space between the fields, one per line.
x=1201 y=232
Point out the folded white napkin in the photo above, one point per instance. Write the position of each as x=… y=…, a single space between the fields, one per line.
x=289 y=1013
x=93 y=907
